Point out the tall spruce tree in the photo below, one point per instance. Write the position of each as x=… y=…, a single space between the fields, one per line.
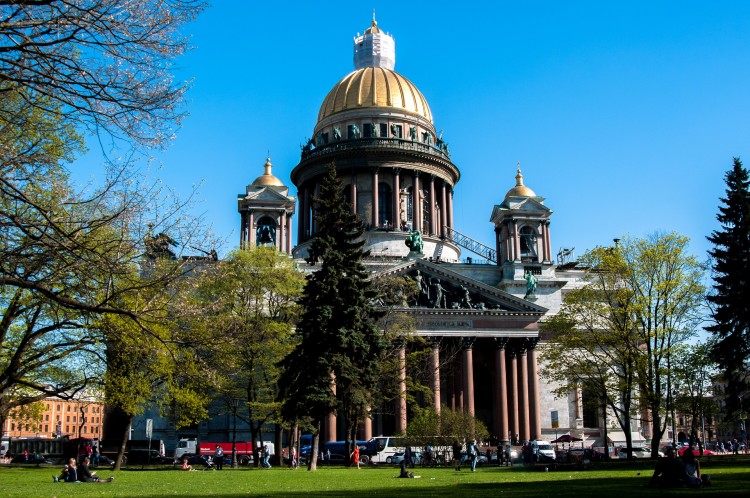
x=340 y=341
x=731 y=297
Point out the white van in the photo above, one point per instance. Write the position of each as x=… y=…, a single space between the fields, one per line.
x=388 y=446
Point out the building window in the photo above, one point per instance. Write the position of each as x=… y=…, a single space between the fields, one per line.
x=385 y=205
x=384 y=130
x=46 y=428
x=409 y=207
x=397 y=131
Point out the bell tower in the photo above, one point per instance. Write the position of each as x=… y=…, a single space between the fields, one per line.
x=522 y=235
x=266 y=210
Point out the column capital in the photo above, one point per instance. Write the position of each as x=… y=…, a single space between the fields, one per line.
x=416 y=173
x=520 y=348
x=501 y=342
x=531 y=342
x=467 y=342
x=435 y=342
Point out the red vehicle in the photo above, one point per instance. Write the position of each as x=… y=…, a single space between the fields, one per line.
x=244 y=450
x=696 y=451
x=192 y=447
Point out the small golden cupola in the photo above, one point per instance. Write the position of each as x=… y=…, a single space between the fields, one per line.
x=267 y=179
x=520 y=190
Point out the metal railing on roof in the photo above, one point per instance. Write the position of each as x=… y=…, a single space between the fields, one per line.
x=470 y=244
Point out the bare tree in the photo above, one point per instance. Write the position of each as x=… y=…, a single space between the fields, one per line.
x=105 y=64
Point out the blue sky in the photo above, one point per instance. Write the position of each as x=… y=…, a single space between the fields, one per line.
x=625 y=116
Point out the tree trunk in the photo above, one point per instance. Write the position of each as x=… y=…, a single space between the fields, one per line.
x=312 y=464
x=277 y=442
x=123 y=444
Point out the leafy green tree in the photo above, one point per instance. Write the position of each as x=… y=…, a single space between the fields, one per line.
x=592 y=343
x=694 y=372
x=730 y=299
x=441 y=429
x=249 y=300
x=644 y=298
x=157 y=360
x=339 y=338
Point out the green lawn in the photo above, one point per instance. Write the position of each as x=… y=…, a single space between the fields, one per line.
x=731 y=477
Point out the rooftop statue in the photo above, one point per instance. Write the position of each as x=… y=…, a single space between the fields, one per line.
x=414 y=241
x=530 y=286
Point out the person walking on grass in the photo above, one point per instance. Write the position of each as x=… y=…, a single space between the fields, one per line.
x=355 y=455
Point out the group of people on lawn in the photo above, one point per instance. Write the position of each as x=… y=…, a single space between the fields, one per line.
x=673 y=472
x=79 y=473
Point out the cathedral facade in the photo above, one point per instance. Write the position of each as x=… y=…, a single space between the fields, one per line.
x=481 y=320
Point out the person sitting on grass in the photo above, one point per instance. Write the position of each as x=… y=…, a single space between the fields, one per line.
x=85 y=475
x=186 y=465
x=69 y=473
x=405 y=473
x=669 y=472
x=694 y=478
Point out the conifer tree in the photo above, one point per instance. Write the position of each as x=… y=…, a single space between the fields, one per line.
x=731 y=297
x=340 y=341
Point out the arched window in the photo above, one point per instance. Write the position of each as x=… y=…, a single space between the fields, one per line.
x=265 y=233
x=528 y=244
x=385 y=205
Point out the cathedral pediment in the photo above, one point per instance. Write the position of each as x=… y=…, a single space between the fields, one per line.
x=450 y=304
x=267 y=194
x=443 y=289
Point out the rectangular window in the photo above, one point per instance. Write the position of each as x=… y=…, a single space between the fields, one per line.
x=46 y=417
x=46 y=428
x=367 y=130
x=67 y=419
x=397 y=131
x=384 y=130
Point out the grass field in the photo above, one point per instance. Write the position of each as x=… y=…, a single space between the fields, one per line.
x=730 y=475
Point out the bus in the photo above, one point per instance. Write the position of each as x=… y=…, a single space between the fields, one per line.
x=388 y=446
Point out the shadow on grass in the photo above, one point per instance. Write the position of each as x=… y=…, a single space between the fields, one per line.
x=729 y=485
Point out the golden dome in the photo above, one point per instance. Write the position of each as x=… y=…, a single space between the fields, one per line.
x=267 y=179
x=520 y=190
x=375 y=87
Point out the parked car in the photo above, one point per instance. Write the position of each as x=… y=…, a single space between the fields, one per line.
x=514 y=456
x=481 y=459
x=696 y=451
x=638 y=452
x=34 y=458
x=105 y=461
x=399 y=456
